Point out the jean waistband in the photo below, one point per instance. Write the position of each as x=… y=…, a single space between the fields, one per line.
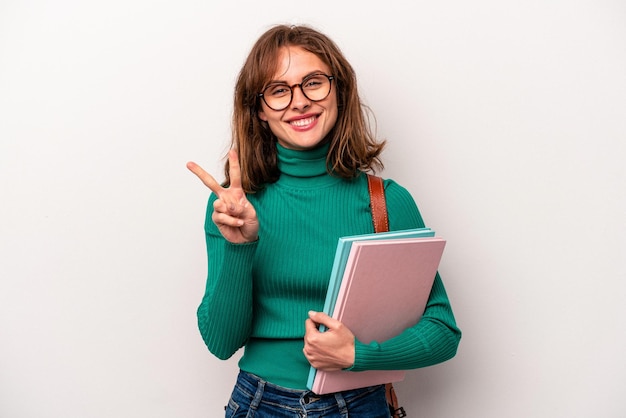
x=251 y=382
x=253 y=393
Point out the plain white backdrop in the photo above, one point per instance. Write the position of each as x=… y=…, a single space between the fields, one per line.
x=506 y=120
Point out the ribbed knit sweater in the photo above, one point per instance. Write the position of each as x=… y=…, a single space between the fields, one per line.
x=258 y=294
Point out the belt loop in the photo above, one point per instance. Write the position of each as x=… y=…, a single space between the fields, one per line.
x=341 y=403
x=258 y=395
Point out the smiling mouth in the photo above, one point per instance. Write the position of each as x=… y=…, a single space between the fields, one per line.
x=300 y=123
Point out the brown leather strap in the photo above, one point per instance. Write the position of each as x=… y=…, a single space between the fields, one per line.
x=395 y=410
x=378 y=203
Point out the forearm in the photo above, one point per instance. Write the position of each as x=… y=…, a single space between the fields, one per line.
x=225 y=313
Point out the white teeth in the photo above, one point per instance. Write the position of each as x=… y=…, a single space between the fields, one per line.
x=303 y=122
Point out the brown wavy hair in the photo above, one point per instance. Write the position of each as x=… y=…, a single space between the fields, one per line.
x=353 y=147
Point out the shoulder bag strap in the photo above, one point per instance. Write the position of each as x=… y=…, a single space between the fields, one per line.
x=378 y=203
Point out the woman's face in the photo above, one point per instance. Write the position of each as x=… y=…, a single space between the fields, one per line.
x=304 y=123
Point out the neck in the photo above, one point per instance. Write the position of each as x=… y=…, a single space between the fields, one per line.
x=306 y=168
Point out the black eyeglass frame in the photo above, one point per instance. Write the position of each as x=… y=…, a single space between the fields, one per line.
x=291 y=88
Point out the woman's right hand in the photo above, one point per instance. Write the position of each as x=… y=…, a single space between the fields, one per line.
x=233 y=214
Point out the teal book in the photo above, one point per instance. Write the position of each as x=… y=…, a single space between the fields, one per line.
x=342 y=253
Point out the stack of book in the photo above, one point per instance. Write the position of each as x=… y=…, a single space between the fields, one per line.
x=379 y=286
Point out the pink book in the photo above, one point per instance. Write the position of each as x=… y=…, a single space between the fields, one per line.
x=384 y=290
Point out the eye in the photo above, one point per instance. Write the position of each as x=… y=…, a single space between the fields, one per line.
x=314 y=82
x=277 y=90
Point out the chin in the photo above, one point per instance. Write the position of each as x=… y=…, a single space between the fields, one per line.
x=302 y=144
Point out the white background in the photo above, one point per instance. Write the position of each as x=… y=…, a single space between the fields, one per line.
x=506 y=120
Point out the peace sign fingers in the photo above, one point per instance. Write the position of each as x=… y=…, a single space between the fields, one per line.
x=232 y=212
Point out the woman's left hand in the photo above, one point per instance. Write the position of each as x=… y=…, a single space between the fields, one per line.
x=330 y=350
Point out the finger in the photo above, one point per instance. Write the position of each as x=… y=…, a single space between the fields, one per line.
x=226 y=220
x=310 y=327
x=321 y=318
x=225 y=205
x=234 y=169
x=220 y=206
x=205 y=177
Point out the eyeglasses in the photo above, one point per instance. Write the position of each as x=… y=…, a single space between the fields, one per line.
x=315 y=87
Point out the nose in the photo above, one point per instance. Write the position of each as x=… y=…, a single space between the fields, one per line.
x=298 y=99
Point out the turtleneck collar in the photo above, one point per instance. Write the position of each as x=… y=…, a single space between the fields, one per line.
x=306 y=169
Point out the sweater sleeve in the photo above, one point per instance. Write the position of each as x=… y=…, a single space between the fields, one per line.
x=435 y=338
x=225 y=313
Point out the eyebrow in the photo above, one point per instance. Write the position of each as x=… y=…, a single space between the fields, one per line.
x=285 y=82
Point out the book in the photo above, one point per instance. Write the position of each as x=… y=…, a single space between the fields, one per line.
x=343 y=250
x=383 y=289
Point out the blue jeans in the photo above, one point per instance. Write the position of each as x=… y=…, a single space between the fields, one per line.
x=254 y=397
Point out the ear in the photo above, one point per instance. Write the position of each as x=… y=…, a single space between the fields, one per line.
x=261 y=114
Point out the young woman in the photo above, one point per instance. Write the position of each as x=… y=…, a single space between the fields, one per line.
x=294 y=185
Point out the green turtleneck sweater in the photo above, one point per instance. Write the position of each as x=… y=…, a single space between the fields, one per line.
x=258 y=294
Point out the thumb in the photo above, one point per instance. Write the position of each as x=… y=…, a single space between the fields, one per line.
x=322 y=318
